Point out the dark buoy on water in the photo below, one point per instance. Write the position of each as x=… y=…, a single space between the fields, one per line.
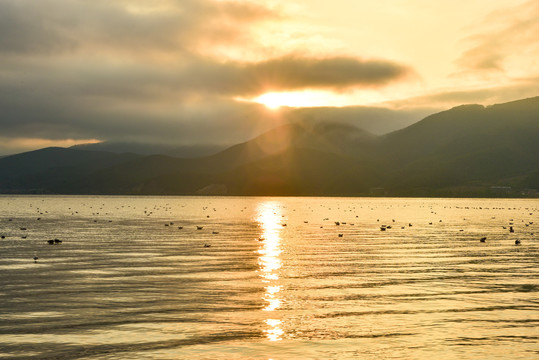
x=517 y=242
x=511 y=229
x=483 y=239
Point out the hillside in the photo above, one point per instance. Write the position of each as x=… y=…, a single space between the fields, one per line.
x=465 y=145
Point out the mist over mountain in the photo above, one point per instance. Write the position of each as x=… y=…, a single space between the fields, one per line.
x=469 y=150
x=375 y=120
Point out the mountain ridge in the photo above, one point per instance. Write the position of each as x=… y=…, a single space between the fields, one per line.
x=465 y=150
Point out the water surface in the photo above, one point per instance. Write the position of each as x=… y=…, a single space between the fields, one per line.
x=268 y=278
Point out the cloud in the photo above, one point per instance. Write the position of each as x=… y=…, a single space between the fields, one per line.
x=153 y=71
x=65 y=97
x=138 y=81
x=291 y=73
x=53 y=27
x=57 y=115
x=502 y=37
x=515 y=90
x=375 y=120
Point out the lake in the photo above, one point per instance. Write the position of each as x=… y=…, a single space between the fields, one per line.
x=268 y=278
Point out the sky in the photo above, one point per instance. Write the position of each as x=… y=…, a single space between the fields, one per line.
x=191 y=72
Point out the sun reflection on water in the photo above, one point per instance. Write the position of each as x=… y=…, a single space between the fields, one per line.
x=269 y=219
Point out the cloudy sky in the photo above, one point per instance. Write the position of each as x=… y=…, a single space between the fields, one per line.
x=217 y=71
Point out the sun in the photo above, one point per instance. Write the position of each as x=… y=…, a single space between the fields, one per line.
x=272 y=101
x=306 y=98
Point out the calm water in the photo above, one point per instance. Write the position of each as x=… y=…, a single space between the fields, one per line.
x=275 y=282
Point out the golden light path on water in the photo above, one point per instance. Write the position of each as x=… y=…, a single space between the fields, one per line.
x=269 y=218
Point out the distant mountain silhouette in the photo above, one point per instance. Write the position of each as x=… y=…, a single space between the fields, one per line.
x=50 y=169
x=194 y=151
x=469 y=150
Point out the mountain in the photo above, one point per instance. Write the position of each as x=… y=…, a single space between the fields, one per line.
x=158 y=174
x=49 y=169
x=327 y=137
x=465 y=145
x=469 y=150
x=184 y=151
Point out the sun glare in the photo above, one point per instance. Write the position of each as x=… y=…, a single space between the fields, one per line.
x=272 y=101
x=270 y=222
x=313 y=98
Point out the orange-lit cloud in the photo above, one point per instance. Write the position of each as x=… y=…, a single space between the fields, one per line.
x=518 y=89
x=501 y=40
